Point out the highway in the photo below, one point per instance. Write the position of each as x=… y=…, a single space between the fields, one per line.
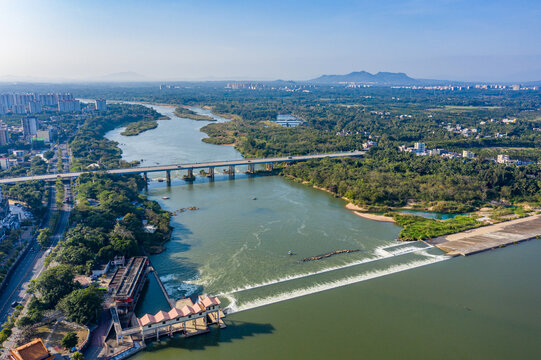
x=157 y=168
x=32 y=263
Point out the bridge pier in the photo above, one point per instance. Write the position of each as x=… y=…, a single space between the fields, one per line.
x=231 y=170
x=211 y=172
x=268 y=166
x=251 y=168
x=145 y=177
x=168 y=177
x=190 y=173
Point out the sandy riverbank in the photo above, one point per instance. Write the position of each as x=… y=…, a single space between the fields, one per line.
x=357 y=210
x=374 y=216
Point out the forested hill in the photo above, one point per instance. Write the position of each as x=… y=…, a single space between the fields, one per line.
x=364 y=77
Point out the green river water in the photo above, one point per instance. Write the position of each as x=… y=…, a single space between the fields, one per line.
x=236 y=246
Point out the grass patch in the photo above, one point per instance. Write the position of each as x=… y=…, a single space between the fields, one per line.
x=420 y=228
x=57 y=332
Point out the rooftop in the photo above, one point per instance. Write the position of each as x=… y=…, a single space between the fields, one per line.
x=34 y=350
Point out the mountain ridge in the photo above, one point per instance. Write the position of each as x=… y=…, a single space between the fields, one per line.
x=364 y=77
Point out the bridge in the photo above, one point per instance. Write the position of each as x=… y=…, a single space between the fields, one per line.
x=230 y=164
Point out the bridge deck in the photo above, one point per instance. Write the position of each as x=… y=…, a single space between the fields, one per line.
x=157 y=168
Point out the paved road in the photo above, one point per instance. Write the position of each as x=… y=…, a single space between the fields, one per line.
x=31 y=265
x=137 y=170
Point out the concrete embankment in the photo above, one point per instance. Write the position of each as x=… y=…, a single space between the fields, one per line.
x=490 y=237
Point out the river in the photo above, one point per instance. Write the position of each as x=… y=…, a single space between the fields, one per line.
x=236 y=246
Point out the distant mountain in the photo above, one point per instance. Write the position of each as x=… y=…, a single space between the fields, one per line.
x=126 y=76
x=364 y=77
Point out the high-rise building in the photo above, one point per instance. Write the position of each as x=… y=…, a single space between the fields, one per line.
x=69 y=106
x=4 y=134
x=101 y=105
x=18 y=109
x=30 y=126
x=34 y=107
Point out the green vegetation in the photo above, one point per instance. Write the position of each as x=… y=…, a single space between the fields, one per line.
x=421 y=228
x=59 y=163
x=187 y=113
x=60 y=192
x=136 y=128
x=53 y=284
x=44 y=237
x=69 y=341
x=389 y=178
x=83 y=305
x=32 y=193
x=48 y=154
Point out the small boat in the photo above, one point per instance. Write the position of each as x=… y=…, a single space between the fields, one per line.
x=290 y=253
x=165 y=197
x=254 y=198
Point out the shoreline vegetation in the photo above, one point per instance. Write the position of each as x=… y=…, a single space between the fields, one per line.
x=184 y=112
x=137 y=128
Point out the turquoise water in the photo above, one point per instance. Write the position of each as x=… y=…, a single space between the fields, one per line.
x=429 y=214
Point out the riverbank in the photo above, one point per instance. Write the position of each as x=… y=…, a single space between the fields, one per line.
x=490 y=236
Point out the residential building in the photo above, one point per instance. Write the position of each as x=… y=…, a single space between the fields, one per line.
x=101 y=105
x=34 y=107
x=69 y=106
x=4 y=134
x=30 y=126
x=4 y=163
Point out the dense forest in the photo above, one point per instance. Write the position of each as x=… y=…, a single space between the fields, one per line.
x=389 y=178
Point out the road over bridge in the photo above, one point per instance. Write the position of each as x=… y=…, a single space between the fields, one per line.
x=189 y=167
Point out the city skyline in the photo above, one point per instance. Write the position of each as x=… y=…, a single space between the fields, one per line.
x=185 y=40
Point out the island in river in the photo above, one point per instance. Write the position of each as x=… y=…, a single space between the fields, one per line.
x=185 y=112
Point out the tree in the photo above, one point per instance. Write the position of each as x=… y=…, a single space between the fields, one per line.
x=55 y=283
x=69 y=341
x=48 y=154
x=83 y=305
x=44 y=237
x=77 y=356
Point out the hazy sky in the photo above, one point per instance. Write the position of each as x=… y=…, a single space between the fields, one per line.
x=293 y=39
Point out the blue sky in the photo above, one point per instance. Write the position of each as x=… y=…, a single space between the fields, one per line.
x=295 y=39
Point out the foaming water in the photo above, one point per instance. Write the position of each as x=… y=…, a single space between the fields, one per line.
x=283 y=296
x=381 y=254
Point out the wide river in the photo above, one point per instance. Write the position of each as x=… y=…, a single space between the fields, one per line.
x=236 y=246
